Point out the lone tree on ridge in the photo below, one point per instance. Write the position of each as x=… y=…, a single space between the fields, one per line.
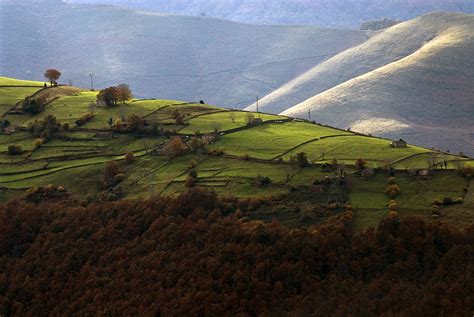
x=52 y=75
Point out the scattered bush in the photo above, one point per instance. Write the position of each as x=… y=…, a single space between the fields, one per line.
x=66 y=126
x=190 y=182
x=215 y=152
x=37 y=143
x=459 y=200
x=302 y=159
x=360 y=164
x=392 y=205
x=178 y=117
x=193 y=173
x=392 y=190
x=435 y=210
x=262 y=181
x=467 y=171
x=391 y=180
x=40 y=194
x=111 y=170
x=84 y=119
x=175 y=148
x=49 y=124
x=14 y=149
x=119 y=178
x=135 y=124
x=198 y=145
x=447 y=201
x=129 y=158
x=378 y=24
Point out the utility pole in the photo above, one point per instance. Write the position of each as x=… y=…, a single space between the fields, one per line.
x=257 y=108
x=309 y=114
x=91 y=75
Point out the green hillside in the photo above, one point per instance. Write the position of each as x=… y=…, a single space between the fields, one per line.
x=232 y=152
x=412 y=80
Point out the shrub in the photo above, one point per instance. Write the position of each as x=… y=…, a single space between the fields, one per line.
x=135 y=124
x=66 y=126
x=435 y=210
x=459 y=200
x=302 y=159
x=178 y=118
x=197 y=145
x=193 y=173
x=111 y=170
x=175 y=148
x=447 y=201
x=84 y=119
x=245 y=157
x=45 y=136
x=37 y=143
x=190 y=182
x=129 y=158
x=392 y=205
x=262 y=181
x=391 y=180
x=216 y=152
x=119 y=178
x=467 y=171
x=14 y=149
x=360 y=164
x=39 y=194
x=392 y=190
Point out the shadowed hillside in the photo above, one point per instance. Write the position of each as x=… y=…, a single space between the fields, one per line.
x=339 y=13
x=413 y=80
x=165 y=56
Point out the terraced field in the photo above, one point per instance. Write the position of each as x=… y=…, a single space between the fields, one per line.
x=238 y=157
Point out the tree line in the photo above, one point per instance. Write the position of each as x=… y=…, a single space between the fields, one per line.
x=197 y=254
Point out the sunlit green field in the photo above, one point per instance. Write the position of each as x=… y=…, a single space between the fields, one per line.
x=76 y=158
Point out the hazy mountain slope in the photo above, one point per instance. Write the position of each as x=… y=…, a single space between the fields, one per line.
x=383 y=48
x=163 y=56
x=427 y=96
x=340 y=13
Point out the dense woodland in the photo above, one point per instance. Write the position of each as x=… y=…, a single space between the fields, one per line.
x=196 y=254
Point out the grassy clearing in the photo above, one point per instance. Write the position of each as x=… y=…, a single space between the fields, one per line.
x=76 y=159
x=270 y=140
x=6 y=81
x=417 y=194
x=370 y=201
x=10 y=96
x=24 y=139
x=222 y=121
x=424 y=160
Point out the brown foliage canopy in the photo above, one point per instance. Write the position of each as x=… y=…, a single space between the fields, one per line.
x=191 y=256
x=124 y=93
x=52 y=75
x=175 y=148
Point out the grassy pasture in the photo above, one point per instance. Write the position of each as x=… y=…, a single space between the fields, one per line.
x=10 y=96
x=223 y=121
x=423 y=161
x=348 y=149
x=6 y=81
x=272 y=140
x=76 y=158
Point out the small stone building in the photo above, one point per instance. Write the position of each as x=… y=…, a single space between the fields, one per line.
x=399 y=144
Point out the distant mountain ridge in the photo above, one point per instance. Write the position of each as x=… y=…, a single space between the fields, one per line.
x=413 y=80
x=334 y=13
x=164 y=56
